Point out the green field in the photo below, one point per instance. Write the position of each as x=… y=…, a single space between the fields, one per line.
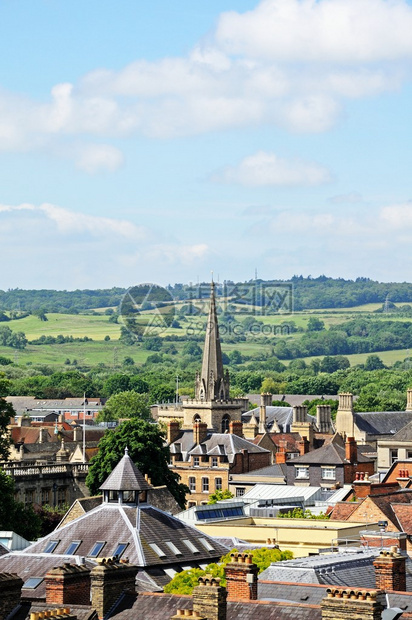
x=113 y=352
x=387 y=357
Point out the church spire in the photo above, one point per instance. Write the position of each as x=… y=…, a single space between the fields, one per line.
x=212 y=384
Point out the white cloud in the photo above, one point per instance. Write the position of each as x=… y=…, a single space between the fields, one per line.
x=71 y=222
x=99 y=157
x=324 y=31
x=397 y=216
x=264 y=168
x=292 y=63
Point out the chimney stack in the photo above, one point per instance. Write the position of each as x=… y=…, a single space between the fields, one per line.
x=324 y=419
x=409 y=399
x=303 y=446
x=173 y=430
x=109 y=579
x=10 y=593
x=299 y=414
x=241 y=578
x=281 y=453
x=390 y=567
x=347 y=604
x=209 y=598
x=68 y=585
x=236 y=428
x=199 y=432
x=351 y=450
x=345 y=422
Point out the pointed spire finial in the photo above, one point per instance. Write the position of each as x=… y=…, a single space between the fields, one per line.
x=126 y=451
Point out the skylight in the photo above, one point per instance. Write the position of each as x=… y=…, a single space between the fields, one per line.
x=72 y=547
x=51 y=546
x=173 y=548
x=97 y=547
x=157 y=550
x=120 y=549
x=190 y=546
x=32 y=583
x=206 y=544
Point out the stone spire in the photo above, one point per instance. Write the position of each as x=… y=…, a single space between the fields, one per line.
x=212 y=383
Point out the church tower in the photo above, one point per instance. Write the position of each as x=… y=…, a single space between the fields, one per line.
x=212 y=384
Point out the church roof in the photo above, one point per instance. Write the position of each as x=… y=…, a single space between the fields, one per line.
x=125 y=477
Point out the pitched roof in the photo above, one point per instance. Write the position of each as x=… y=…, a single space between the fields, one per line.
x=225 y=444
x=125 y=477
x=332 y=453
x=382 y=422
x=343 y=510
x=280 y=416
x=403 y=513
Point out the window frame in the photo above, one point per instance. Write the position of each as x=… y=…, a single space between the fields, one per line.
x=205 y=484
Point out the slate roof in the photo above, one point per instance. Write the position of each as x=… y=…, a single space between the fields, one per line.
x=161 y=606
x=218 y=444
x=382 y=422
x=23 y=611
x=277 y=470
x=282 y=415
x=349 y=569
x=125 y=477
x=330 y=454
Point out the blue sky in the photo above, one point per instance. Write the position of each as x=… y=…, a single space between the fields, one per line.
x=155 y=142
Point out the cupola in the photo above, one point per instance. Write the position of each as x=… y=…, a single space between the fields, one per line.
x=125 y=484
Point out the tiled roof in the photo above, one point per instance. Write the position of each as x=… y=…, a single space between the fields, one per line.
x=403 y=513
x=282 y=416
x=343 y=510
x=330 y=454
x=225 y=444
x=125 y=477
x=277 y=470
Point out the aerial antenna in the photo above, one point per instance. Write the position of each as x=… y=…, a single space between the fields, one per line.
x=255 y=273
x=386 y=306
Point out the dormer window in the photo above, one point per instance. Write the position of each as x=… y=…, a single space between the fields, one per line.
x=129 y=497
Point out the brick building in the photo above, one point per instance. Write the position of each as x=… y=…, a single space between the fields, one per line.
x=205 y=460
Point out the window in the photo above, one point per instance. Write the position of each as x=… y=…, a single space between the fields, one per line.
x=302 y=472
x=129 y=497
x=29 y=497
x=190 y=546
x=113 y=496
x=32 y=583
x=61 y=497
x=205 y=485
x=328 y=473
x=157 y=550
x=409 y=454
x=206 y=544
x=51 y=546
x=218 y=484
x=173 y=548
x=240 y=491
x=45 y=497
x=72 y=547
x=195 y=461
x=192 y=484
x=214 y=461
x=120 y=549
x=191 y=504
x=393 y=455
x=225 y=423
x=97 y=547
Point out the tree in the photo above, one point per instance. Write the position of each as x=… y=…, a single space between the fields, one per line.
x=146 y=449
x=268 y=386
x=315 y=324
x=41 y=314
x=6 y=412
x=116 y=383
x=125 y=405
x=217 y=496
x=13 y=515
x=374 y=362
x=183 y=583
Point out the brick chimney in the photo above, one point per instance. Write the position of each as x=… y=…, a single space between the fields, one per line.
x=347 y=604
x=173 y=430
x=390 y=567
x=281 y=453
x=351 y=450
x=303 y=446
x=409 y=399
x=241 y=578
x=209 y=598
x=10 y=593
x=236 y=428
x=68 y=585
x=108 y=581
x=199 y=432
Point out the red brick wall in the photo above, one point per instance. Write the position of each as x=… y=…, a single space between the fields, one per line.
x=68 y=586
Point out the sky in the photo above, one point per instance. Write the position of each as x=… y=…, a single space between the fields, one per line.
x=159 y=141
